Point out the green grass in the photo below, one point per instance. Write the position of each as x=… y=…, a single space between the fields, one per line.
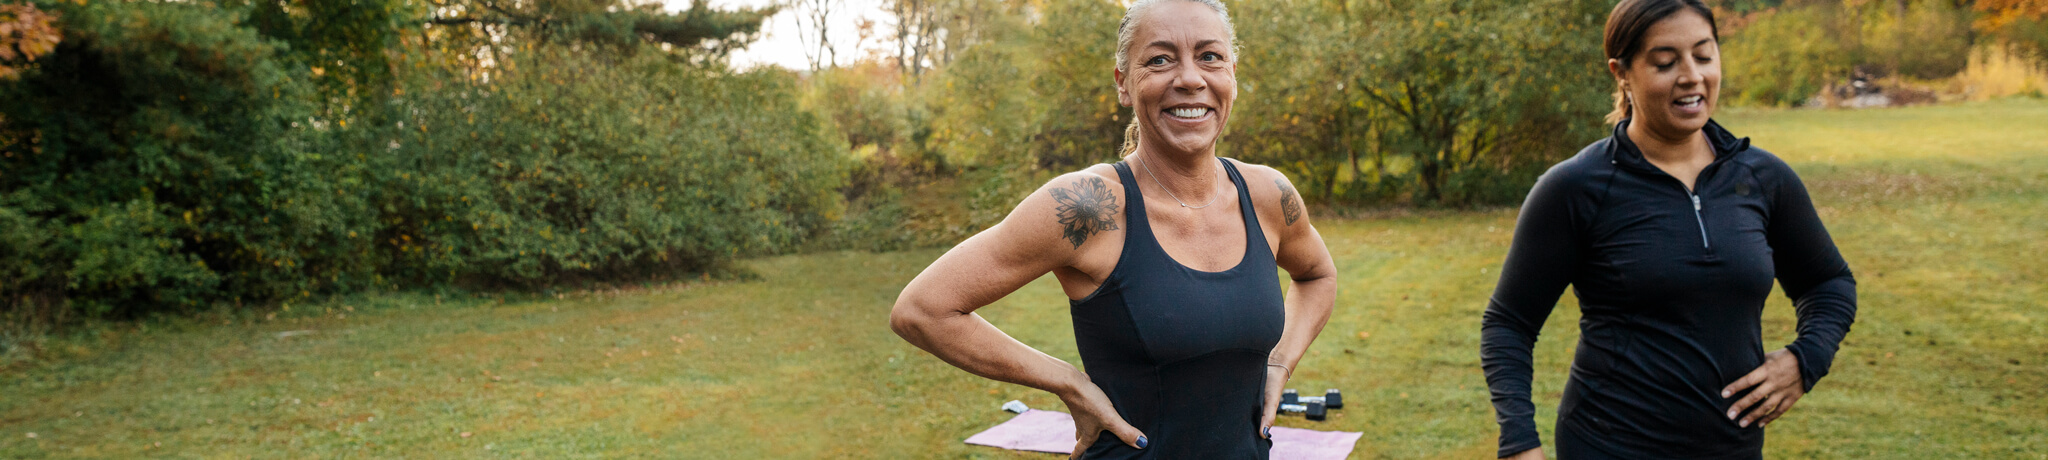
x=1940 y=210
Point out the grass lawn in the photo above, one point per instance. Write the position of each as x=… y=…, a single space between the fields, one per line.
x=1941 y=211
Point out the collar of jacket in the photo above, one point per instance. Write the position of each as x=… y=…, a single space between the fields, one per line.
x=1625 y=153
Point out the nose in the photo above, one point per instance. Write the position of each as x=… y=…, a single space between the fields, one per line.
x=1188 y=79
x=1689 y=73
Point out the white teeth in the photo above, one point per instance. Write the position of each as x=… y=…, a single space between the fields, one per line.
x=1691 y=100
x=1189 y=112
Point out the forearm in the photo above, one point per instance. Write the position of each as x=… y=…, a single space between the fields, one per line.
x=1308 y=305
x=1825 y=315
x=971 y=343
x=1505 y=354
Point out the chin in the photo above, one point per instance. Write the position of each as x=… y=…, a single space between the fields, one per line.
x=1677 y=124
x=1192 y=142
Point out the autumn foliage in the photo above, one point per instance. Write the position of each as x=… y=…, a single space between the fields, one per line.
x=26 y=33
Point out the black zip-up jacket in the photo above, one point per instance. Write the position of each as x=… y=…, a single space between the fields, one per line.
x=1671 y=286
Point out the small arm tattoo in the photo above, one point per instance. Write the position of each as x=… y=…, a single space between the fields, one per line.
x=1086 y=208
x=1290 y=202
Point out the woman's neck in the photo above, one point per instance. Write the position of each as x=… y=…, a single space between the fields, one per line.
x=1663 y=148
x=1191 y=177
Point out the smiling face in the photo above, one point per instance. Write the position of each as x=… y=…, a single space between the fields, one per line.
x=1182 y=77
x=1675 y=82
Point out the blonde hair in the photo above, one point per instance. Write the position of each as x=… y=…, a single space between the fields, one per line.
x=1126 y=30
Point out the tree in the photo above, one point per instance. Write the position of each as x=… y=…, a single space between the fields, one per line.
x=1295 y=107
x=1470 y=85
x=816 y=36
x=2020 y=24
x=1078 y=122
x=616 y=24
x=152 y=155
x=26 y=33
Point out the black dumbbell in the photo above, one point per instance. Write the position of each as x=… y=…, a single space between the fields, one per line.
x=1314 y=407
x=1332 y=399
x=1313 y=410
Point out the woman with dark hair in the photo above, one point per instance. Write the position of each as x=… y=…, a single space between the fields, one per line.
x=1177 y=311
x=1671 y=232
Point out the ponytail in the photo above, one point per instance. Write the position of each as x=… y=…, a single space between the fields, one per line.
x=1622 y=110
x=1130 y=138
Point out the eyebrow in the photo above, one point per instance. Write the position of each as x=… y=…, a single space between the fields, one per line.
x=1674 y=50
x=1169 y=44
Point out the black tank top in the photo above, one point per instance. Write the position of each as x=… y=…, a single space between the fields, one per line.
x=1182 y=352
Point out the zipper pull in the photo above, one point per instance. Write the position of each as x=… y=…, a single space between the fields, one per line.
x=1695 y=202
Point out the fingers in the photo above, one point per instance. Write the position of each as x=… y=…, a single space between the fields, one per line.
x=1770 y=404
x=1783 y=407
x=1276 y=383
x=1745 y=404
x=1083 y=438
x=1129 y=434
x=1752 y=379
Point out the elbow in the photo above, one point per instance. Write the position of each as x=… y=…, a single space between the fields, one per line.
x=902 y=320
x=908 y=322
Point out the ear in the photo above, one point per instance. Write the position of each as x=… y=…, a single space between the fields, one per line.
x=1123 y=96
x=1616 y=68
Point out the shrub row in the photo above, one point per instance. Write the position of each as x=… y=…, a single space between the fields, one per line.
x=168 y=157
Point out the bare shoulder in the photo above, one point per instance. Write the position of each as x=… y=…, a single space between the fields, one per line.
x=1073 y=208
x=1273 y=193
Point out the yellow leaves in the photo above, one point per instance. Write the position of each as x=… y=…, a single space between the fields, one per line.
x=26 y=33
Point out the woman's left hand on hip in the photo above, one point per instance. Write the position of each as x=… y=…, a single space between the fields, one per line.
x=1777 y=385
x=1276 y=381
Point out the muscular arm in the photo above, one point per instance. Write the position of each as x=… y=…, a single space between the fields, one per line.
x=1048 y=230
x=1301 y=252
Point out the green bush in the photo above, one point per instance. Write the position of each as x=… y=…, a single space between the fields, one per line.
x=151 y=163
x=1774 y=61
x=1786 y=55
x=1926 y=40
x=167 y=157
x=587 y=169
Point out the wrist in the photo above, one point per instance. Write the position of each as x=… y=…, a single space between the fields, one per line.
x=1070 y=384
x=1286 y=372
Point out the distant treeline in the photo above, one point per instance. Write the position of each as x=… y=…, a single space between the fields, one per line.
x=161 y=156
x=1430 y=102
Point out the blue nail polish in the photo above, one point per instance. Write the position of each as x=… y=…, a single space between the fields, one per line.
x=1269 y=432
x=1142 y=442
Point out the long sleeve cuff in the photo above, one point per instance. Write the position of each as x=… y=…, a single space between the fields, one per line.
x=1814 y=361
x=1516 y=437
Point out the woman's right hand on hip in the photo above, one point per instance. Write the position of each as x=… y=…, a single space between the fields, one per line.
x=1094 y=414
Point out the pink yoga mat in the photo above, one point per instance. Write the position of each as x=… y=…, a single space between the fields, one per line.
x=1053 y=431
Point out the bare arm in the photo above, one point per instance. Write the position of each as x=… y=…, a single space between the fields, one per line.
x=1308 y=264
x=936 y=310
x=1314 y=292
x=1049 y=230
